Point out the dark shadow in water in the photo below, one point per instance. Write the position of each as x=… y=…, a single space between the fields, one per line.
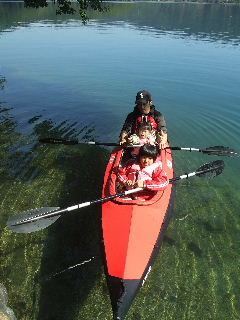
x=208 y=227
x=195 y=249
x=169 y=241
x=73 y=239
x=137 y=316
x=20 y=247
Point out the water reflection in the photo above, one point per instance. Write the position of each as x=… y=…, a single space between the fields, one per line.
x=200 y=21
x=2 y=81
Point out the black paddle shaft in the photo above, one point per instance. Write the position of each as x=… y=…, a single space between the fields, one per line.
x=212 y=151
x=74 y=142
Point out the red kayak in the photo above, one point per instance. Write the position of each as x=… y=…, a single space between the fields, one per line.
x=132 y=234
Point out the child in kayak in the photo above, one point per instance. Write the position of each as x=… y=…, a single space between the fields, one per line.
x=145 y=135
x=144 y=172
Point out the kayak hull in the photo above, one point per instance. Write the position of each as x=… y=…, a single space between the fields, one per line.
x=132 y=232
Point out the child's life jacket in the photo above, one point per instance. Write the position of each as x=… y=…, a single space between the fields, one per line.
x=154 y=177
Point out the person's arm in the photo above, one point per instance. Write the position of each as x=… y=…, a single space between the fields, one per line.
x=162 y=138
x=159 y=181
x=123 y=137
x=122 y=174
x=126 y=129
x=161 y=134
x=161 y=123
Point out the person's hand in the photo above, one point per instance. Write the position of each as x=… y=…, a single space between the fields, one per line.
x=163 y=140
x=129 y=183
x=122 y=142
x=123 y=139
x=130 y=140
x=148 y=139
x=139 y=184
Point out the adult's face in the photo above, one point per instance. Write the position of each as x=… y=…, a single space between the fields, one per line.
x=144 y=107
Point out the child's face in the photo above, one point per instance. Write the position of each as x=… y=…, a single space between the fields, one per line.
x=146 y=161
x=144 y=133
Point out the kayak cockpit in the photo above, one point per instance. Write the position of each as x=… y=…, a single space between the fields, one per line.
x=114 y=187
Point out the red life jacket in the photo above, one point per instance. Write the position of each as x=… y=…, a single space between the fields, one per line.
x=138 y=174
x=145 y=118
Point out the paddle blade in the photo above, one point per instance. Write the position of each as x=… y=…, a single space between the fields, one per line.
x=32 y=220
x=210 y=170
x=58 y=141
x=220 y=151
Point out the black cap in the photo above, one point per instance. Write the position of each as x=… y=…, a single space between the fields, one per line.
x=143 y=96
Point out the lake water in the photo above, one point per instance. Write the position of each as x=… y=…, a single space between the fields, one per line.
x=63 y=79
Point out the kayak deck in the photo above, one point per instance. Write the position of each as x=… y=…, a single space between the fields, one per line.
x=132 y=233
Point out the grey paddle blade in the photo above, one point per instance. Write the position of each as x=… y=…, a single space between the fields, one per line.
x=220 y=151
x=27 y=221
x=211 y=170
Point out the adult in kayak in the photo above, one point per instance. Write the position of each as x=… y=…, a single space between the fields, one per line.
x=144 y=110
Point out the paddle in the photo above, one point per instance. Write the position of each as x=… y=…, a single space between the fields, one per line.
x=73 y=142
x=213 y=151
x=37 y=219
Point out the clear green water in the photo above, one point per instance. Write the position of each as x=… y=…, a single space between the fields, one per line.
x=60 y=78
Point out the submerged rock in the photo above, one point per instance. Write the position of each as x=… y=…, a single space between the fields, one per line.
x=6 y=313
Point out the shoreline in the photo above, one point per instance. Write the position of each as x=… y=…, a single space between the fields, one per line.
x=177 y=1
x=232 y=2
